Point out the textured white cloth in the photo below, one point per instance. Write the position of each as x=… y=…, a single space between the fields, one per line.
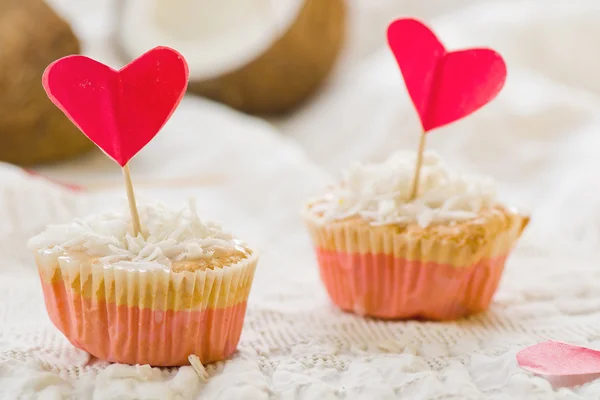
x=540 y=139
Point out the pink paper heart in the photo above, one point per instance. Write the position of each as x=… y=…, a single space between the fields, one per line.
x=559 y=359
x=120 y=111
x=443 y=86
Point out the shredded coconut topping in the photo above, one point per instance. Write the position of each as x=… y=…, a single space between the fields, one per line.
x=379 y=193
x=168 y=235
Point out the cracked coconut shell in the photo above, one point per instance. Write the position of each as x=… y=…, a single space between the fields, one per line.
x=291 y=70
x=32 y=129
x=291 y=67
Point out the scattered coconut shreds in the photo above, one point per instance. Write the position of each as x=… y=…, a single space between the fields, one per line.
x=390 y=346
x=198 y=367
x=169 y=234
x=380 y=193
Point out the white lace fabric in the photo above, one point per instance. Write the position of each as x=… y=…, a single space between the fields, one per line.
x=295 y=343
x=539 y=140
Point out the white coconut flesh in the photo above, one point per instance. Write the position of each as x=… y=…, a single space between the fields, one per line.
x=215 y=36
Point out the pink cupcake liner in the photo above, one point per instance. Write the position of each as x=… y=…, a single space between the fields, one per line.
x=384 y=286
x=387 y=273
x=199 y=313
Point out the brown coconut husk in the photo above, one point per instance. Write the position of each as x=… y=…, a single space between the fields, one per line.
x=290 y=71
x=32 y=129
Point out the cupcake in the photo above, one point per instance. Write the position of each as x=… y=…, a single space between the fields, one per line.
x=178 y=289
x=439 y=256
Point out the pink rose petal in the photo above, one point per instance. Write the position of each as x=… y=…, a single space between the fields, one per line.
x=559 y=359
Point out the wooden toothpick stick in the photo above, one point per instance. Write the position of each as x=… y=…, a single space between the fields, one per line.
x=135 y=218
x=415 y=184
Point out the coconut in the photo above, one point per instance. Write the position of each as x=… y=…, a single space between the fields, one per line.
x=258 y=56
x=32 y=129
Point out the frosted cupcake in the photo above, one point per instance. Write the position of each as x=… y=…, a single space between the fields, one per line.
x=178 y=290
x=437 y=257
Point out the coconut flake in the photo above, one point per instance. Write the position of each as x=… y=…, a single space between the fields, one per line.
x=198 y=367
x=379 y=193
x=169 y=235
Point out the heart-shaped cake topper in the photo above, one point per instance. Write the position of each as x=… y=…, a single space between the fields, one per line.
x=443 y=86
x=120 y=111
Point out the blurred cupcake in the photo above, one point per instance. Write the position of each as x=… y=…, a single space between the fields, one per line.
x=439 y=256
x=179 y=289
